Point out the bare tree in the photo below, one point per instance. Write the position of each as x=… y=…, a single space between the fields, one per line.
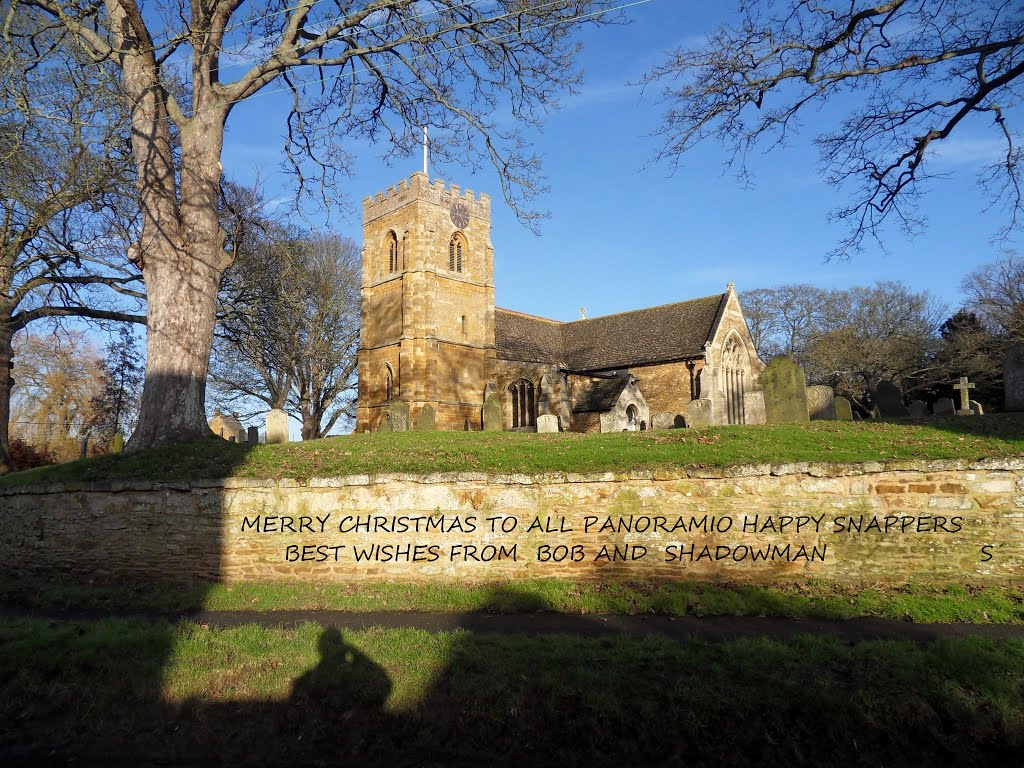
x=380 y=69
x=782 y=319
x=66 y=200
x=288 y=329
x=995 y=291
x=916 y=71
x=871 y=333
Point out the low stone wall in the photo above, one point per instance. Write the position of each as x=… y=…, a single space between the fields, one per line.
x=863 y=523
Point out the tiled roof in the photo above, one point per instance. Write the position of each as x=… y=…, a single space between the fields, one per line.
x=641 y=337
x=527 y=338
x=600 y=395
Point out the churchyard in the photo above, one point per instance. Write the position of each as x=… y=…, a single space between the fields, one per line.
x=141 y=667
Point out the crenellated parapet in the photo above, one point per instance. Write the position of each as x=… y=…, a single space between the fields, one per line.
x=419 y=188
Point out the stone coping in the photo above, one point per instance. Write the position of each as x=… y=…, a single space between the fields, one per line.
x=809 y=468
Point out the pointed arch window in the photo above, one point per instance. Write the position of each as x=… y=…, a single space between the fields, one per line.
x=389 y=383
x=456 y=250
x=523 y=403
x=735 y=369
x=392 y=251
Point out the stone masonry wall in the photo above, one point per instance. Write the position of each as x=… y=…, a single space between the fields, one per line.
x=860 y=523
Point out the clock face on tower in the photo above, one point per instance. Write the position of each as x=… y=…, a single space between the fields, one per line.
x=460 y=214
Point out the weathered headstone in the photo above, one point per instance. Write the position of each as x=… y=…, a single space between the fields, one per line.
x=976 y=408
x=753 y=407
x=277 y=426
x=398 y=416
x=699 y=413
x=547 y=423
x=217 y=423
x=1013 y=378
x=889 y=401
x=663 y=420
x=943 y=407
x=493 y=418
x=857 y=416
x=918 y=409
x=426 y=420
x=821 y=403
x=965 y=405
x=844 y=412
x=252 y=435
x=785 y=391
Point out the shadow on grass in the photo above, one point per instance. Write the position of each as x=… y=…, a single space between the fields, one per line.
x=159 y=693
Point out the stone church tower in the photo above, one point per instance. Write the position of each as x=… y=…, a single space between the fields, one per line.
x=427 y=323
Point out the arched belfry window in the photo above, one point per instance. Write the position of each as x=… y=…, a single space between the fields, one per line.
x=457 y=250
x=392 y=252
x=523 y=403
x=389 y=383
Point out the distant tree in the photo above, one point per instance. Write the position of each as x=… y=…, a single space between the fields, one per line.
x=970 y=347
x=288 y=331
x=870 y=333
x=995 y=293
x=914 y=72
x=115 y=407
x=67 y=204
x=57 y=379
x=783 y=319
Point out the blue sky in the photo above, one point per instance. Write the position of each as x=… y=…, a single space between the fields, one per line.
x=625 y=233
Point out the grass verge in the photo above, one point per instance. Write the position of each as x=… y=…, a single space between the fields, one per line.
x=506 y=452
x=814 y=599
x=176 y=693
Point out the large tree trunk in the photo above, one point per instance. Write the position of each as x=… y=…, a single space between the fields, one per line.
x=181 y=290
x=6 y=356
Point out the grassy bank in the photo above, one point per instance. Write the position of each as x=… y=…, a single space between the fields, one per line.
x=815 y=599
x=116 y=689
x=960 y=438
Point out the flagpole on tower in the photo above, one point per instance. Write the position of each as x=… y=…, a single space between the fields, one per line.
x=425 y=144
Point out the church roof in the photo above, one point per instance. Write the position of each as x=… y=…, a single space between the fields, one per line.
x=600 y=395
x=641 y=337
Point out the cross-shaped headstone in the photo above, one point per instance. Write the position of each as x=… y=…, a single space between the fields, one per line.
x=965 y=401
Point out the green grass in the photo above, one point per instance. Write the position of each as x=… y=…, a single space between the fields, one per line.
x=176 y=693
x=961 y=438
x=815 y=599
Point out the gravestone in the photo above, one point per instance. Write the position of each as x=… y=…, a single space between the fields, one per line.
x=426 y=420
x=785 y=391
x=844 y=412
x=680 y=421
x=547 y=423
x=699 y=413
x=964 y=387
x=976 y=408
x=918 y=409
x=753 y=407
x=1013 y=378
x=277 y=426
x=398 y=416
x=252 y=435
x=943 y=407
x=857 y=416
x=889 y=401
x=663 y=420
x=217 y=423
x=821 y=403
x=493 y=418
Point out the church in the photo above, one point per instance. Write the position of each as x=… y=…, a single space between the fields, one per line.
x=435 y=351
